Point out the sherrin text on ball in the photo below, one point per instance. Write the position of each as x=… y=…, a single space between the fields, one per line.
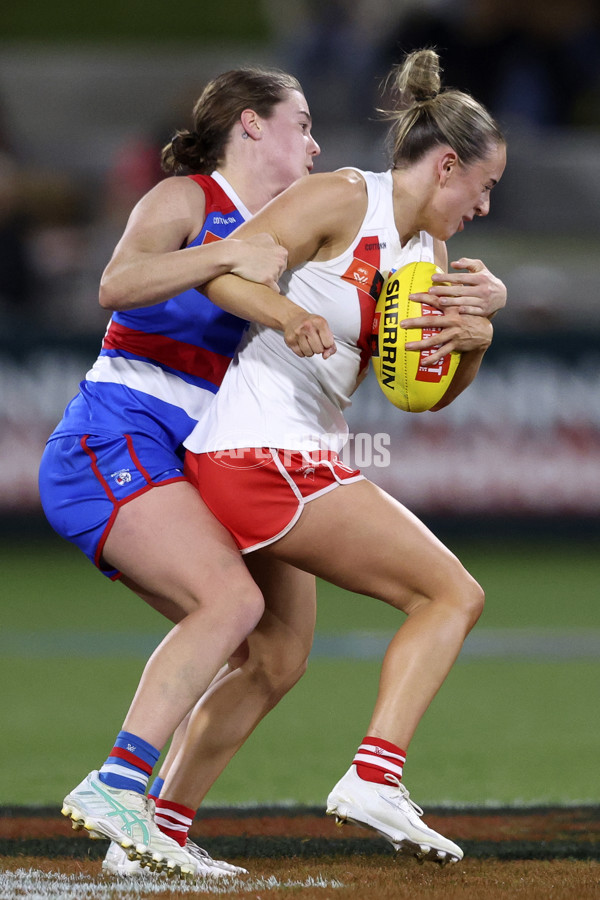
x=402 y=374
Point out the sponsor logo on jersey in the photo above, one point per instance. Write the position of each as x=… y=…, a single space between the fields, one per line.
x=223 y=220
x=123 y=476
x=307 y=471
x=365 y=277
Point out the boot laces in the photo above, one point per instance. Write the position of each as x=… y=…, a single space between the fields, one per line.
x=402 y=792
x=201 y=854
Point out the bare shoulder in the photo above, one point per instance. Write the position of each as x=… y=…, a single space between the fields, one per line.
x=344 y=185
x=174 y=208
x=352 y=176
x=175 y=191
x=314 y=218
x=330 y=197
x=343 y=207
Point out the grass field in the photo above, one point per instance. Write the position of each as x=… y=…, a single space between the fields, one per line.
x=316 y=879
x=530 y=854
x=515 y=722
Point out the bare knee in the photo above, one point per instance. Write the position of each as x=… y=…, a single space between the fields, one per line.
x=283 y=679
x=472 y=601
x=225 y=619
x=277 y=681
x=273 y=671
x=461 y=596
x=465 y=597
x=243 y=608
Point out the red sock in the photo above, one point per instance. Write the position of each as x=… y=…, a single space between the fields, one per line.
x=174 y=819
x=375 y=758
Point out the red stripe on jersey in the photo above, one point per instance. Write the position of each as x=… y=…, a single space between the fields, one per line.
x=216 y=200
x=368 y=251
x=196 y=361
x=131 y=758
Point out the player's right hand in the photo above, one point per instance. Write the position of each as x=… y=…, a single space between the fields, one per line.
x=476 y=292
x=260 y=259
x=307 y=334
x=453 y=333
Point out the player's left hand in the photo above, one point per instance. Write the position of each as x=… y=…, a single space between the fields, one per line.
x=459 y=333
x=307 y=334
x=476 y=292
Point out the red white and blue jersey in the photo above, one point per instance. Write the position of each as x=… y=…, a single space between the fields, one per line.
x=160 y=365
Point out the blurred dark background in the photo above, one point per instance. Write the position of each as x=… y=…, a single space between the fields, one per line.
x=88 y=95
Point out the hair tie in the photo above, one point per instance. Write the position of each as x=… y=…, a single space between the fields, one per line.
x=425 y=98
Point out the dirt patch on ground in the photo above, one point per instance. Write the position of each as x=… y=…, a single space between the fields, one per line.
x=540 y=833
x=530 y=853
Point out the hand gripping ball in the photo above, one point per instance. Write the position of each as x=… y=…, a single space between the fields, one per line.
x=401 y=375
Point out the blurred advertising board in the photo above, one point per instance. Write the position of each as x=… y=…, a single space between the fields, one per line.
x=523 y=440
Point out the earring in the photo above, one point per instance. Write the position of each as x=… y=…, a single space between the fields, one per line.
x=245 y=135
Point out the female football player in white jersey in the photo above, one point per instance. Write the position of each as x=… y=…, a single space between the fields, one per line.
x=264 y=455
x=163 y=357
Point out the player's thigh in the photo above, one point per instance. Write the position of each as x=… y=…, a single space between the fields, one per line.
x=168 y=544
x=288 y=622
x=364 y=540
x=172 y=610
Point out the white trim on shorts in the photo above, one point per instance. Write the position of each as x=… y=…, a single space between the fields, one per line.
x=302 y=501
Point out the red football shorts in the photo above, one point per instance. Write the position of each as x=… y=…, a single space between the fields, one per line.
x=258 y=494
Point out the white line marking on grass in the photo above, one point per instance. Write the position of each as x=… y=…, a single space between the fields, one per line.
x=545 y=644
x=37 y=885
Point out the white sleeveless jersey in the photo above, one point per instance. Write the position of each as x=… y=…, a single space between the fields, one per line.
x=272 y=398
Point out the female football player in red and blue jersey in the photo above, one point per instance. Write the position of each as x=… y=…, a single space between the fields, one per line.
x=111 y=477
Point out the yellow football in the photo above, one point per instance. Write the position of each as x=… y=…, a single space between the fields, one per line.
x=402 y=376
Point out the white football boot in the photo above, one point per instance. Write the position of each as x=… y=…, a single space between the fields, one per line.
x=389 y=811
x=126 y=818
x=117 y=862
x=217 y=868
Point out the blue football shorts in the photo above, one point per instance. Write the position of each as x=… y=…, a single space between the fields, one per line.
x=84 y=481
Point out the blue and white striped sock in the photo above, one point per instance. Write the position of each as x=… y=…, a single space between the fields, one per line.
x=130 y=763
